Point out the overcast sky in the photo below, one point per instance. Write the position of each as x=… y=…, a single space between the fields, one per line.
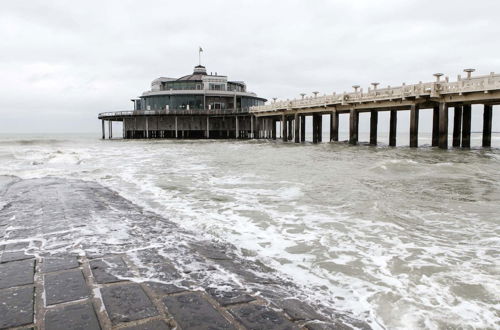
x=62 y=62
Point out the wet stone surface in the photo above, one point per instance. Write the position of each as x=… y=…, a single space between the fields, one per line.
x=53 y=264
x=192 y=311
x=16 y=273
x=76 y=255
x=72 y=317
x=127 y=303
x=16 y=307
x=63 y=287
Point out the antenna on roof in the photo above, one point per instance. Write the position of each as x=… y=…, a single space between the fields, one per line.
x=199 y=55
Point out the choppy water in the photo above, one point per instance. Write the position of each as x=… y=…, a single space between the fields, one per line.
x=402 y=238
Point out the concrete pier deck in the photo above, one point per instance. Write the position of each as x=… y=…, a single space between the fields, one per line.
x=76 y=255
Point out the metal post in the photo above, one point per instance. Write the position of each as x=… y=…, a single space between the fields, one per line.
x=284 y=134
x=208 y=127
x=251 y=127
x=487 y=123
x=176 y=128
x=466 y=125
x=373 y=127
x=457 y=126
x=435 y=126
x=393 y=126
x=353 y=126
x=443 y=125
x=414 y=110
x=237 y=126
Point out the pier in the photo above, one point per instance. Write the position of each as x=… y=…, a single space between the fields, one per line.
x=439 y=95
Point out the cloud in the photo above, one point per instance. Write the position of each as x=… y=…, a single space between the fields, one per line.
x=63 y=63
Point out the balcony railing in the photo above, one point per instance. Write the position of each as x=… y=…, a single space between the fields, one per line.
x=180 y=112
x=432 y=89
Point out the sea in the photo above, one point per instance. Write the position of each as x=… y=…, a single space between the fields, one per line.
x=403 y=238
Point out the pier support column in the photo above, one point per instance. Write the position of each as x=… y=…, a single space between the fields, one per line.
x=435 y=126
x=110 y=129
x=147 y=128
x=297 y=128
x=393 y=127
x=353 y=126
x=443 y=125
x=320 y=128
x=414 y=112
x=466 y=125
x=252 y=136
x=103 y=131
x=290 y=129
x=457 y=126
x=273 y=129
x=284 y=133
x=302 y=128
x=237 y=128
x=176 y=131
x=487 y=121
x=373 y=127
x=208 y=128
x=124 y=133
x=334 y=126
x=315 y=128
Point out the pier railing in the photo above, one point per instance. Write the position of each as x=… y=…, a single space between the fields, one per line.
x=431 y=89
x=180 y=112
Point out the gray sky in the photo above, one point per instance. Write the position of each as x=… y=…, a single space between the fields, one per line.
x=63 y=62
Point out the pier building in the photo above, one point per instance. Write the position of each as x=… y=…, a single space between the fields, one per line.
x=198 y=105
x=204 y=105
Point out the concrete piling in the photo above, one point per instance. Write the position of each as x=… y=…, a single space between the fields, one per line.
x=334 y=126
x=393 y=126
x=414 y=112
x=373 y=127
x=443 y=125
x=353 y=126
x=284 y=133
x=487 y=123
x=457 y=126
x=302 y=128
x=103 y=131
x=296 y=128
x=466 y=125
x=435 y=126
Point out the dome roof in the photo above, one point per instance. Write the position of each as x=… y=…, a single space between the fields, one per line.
x=198 y=73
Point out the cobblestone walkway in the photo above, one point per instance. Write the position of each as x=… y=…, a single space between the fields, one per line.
x=58 y=271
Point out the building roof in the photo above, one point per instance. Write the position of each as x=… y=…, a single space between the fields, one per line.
x=198 y=73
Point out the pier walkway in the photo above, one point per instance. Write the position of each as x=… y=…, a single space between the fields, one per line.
x=76 y=255
x=439 y=95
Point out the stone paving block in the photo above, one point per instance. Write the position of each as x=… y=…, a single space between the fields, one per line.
x=192 y=311
x=261 y=317
x=103 y=269
x=151 y=325
x=162 y=289
x=297 y=310
x=72 y=317
x=53 y=264
x=16 y=307
x=234 y=296
x=14 y=256
x=16 y=273
x=64 y=287
x=324 y=326
x=127 y=302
